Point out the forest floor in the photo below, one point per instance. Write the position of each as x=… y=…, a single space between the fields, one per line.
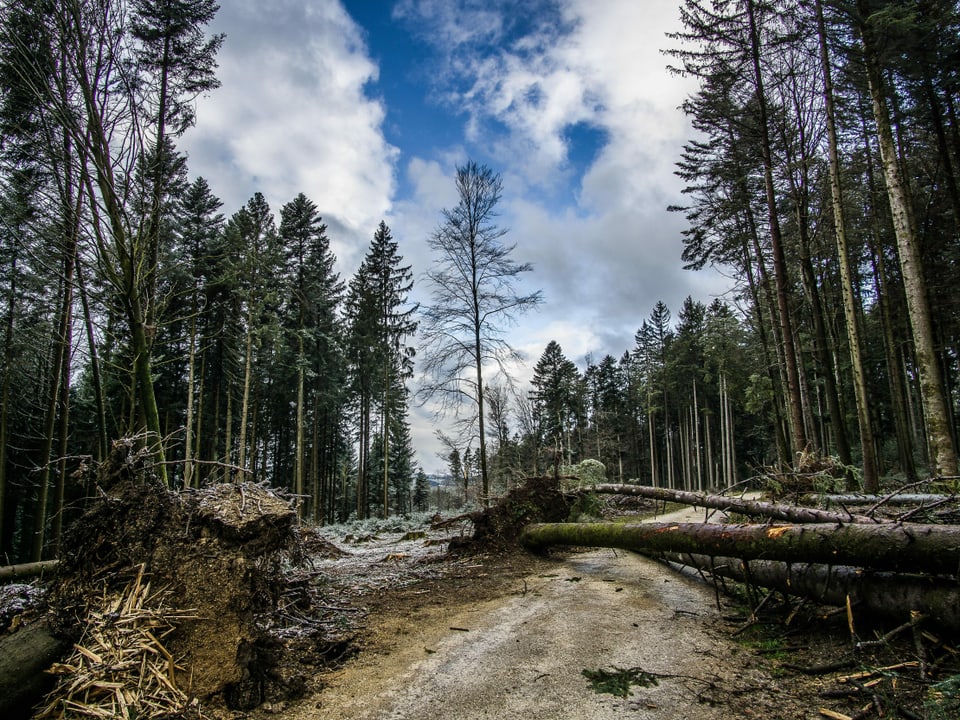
x=440 y=635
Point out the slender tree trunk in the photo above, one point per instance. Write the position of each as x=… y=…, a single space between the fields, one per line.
x=228 y=428
x=60 y=359
x=871 y=477
x=247 y=381
x=298 y=459
x=364 y=453
x=71 y=202
x=779 y=260
x=654 y=475
x=386 y=436
x=770 y=346
x=103 y=444
x=5 y=394
x=696 y=437
x=484 y=480
x=319 y=475
x=64 y=423
x=943 y=455
x=188 y=445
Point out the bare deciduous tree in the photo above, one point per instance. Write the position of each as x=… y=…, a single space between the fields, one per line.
x=473 y=301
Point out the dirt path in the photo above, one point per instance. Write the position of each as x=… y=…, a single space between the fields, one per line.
x=521 y=654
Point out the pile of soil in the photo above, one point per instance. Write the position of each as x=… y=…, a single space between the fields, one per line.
x=222 y=554
x=498 y=527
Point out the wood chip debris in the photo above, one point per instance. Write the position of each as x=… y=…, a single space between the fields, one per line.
x=120 y=667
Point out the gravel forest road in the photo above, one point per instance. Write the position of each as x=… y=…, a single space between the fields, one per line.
x=522 y=654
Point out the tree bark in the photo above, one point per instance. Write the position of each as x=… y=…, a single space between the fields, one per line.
x=943 y=455
x=883 y=594
x=753 y=508
x=867 y=444
x=798 y=434
x=24 y=656
x=906 y=547
x=247 y=374
x=902 y=499
x=27 y=570
x=188 y=442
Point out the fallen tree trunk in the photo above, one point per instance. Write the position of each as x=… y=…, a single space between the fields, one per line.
x=899 y=547
x=859 y=499
x=27 y=570
x=752 y=508
x=883 y=594
x=24 y=656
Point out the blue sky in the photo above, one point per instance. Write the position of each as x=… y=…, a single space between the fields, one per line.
x=367 y=106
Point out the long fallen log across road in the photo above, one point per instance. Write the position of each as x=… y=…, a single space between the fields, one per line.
x=884 y=594
x=752 y=508
x=898 y=547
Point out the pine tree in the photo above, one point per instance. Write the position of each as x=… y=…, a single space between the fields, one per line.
x=258 y=272
x=555 y=382
x=311 y=335
x=421 y=491
x=380 y=319
x=200 y=223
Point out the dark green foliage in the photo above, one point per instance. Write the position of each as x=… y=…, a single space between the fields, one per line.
x=421 y=491
x=618 y=681
x=587 y=506
x=380 y=319
x=556 y=395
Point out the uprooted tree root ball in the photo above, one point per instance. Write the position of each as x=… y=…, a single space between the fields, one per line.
x=498 y=527
x=215 y=561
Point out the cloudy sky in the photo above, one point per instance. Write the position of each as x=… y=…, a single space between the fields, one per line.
x=367 y=106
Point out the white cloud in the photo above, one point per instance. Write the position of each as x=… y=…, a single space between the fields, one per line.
x=607 y=252
x=292 y=115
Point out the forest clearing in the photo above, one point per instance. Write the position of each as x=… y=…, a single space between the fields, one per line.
x=218 y=604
